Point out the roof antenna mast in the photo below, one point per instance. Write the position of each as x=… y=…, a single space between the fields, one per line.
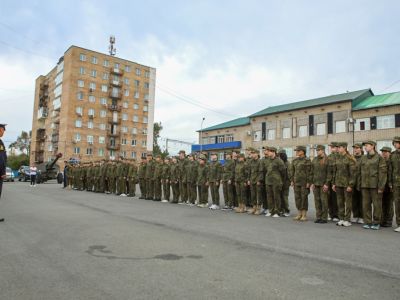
x=111 y=48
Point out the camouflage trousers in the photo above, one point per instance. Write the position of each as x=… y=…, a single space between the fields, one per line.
x=371 y=198
x=255 y=194
x=387 y=207
x=321 y=203
x=175 y=191
x=214 y=187
x=274 y=198
x=332 y=204
x=121 y=188
x=192 y=192
x=396 y=200
x=142 y=186
x=149 y=189
x=357 y=204
x=183 y=191
x=157 y=189
x=301 y=197
x=166 y=186
x=344 y=200
x=285 y=199
x=228 y=191
x=131 y=187
x=241 y=192
x=203 y=193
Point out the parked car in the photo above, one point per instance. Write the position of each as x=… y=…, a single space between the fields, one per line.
x=9 y=175
x=24 y=174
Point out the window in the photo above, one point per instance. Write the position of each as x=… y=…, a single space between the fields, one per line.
x=221 y=156
x=123 y=141
x=91 y=112
x=101 y=152
x=81 y=83
x=136 y=83
x=124 y=117
x=126 y=81
x=106 y=63
x=286 y=133
x=90 y=124
x=124 y=129
x=79 y=110
x=271 y=134
x=321 y=128
x=362 y=124
x=123 y=153
x=127 y=68
x=133 y=143
x=303 y=130
x=105 y=76
x=93 y=73
x=125 y=104
x=102 y=139
x=50 y=147
x=257 y=136
x=82 y=70
x=78 y=123
x=138 y=72
x=92 y=99
x=135 y=106
x=135 y=118
x=144 y=143
x=89 y=139
x=94 y=60
x=103 y=101
x=229 y=138
x=112 y=153
x=79 y=96
x=82 y=57
x=92 y=86
x=102 y=126
x=103 y=113
x=147 y=74
x=146 y=97
x=340 y=126
x=77 y=137
x=126 y=92
x=134 y=130
x=145 y=120
x=104 y=88
x=77 y=150
x=116 y=65
x=89 y=151
x=145 y=108
x=133 y=154
x=144 y=131
x=384 y=122
x=146 y=85
x=384 y=143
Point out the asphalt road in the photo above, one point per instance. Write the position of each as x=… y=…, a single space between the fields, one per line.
x=63 y=244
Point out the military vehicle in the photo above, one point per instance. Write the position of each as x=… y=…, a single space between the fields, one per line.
x=49 y=170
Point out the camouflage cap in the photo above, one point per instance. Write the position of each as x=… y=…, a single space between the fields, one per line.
x=182 y=151
x=228 y=153
x=369 y=143
x=342 y=144
x=149 y=154
x=253 y=150
x=242 y=155
x=320 y=147
x=203 y=157
x=301 y=148
x=333 y=144
x=274 y=149
x=357 y=145
x=386 y=149
x=396 y=139
x=282 y=151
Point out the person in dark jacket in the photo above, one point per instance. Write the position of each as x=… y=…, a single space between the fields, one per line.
x=3 y=160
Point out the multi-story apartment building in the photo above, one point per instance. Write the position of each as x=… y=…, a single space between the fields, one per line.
x=92 y=106
x=350 y=117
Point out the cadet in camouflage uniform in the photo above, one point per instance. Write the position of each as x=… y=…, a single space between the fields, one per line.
x=107 y=179
x=202 y=181
x=174 y=179
x=214 y=178
x=357 y=198
x=241 y=175
x=228 y=181
x=157 y=177
x=343 y=183
x=285 y=212
x=394 y=179
x=387 y=196
x=112 y=175
x=166 y=175
x=264 y=163
x=320 y=188
x=122 y=175
x=235 y=158
x=300 y=172
x=255 y=178
x=149 y=177
x=274 y=176
x=182 y=162
x=142 y=177
x=88 y=175
x=332 y=201
x=191 y=176
x=132 y=177
x=372 y=174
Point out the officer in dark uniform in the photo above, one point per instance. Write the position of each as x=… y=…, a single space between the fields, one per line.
x=3 y=160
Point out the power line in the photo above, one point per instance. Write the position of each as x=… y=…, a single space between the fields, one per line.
x=392 y=84
x=26 y=51
x=20 y=33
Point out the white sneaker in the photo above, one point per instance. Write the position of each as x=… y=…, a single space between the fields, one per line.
x=268 y=214
x=286 y=214
x=164 y=201
x=275 y=216
x=354 y=220
x=346 y=224
x=340 y=223
x=123 y=195
x=214 y=206
x=264 y=211
x=329 y=219
x=360 y=221
x=397 y=229
x=336 y=220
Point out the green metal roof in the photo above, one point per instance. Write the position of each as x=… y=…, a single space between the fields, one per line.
x=233 y=123
x=349 y=96
x=377 y=101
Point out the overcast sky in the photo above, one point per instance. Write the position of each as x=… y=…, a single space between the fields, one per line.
x=230 y=58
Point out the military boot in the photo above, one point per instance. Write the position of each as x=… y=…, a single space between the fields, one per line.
x=299 y=215
x=258 y=210
x=303 y=216
x=239 y=208
x=252 y=210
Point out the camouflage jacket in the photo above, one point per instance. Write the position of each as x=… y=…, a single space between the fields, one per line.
x=300 y=171
x=345 y=171
x=142 y=170
x=255 y=173
x=174 y=172
x=331 y=168
x=372 y=172
x=214 y=171
x=319 y=170
x=202 y=174
x=166 y=172
x=182 y=169
x=394 y=175
x=275 y=172
x=228 y=170
x=191 y=171
x=241 y=172
x=158 y=168
x=150 y=166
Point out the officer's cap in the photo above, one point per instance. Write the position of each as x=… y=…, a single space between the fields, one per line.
x=357 y=145
x=386 y=149
x=320 y=147
x=369 y=143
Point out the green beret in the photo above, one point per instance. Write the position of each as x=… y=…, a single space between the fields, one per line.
x=301 y=148
x=386 y=149
x=369 y=143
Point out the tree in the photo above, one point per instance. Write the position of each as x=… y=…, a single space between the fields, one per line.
x=16 y=161
x=22 y=143
x=156 y=135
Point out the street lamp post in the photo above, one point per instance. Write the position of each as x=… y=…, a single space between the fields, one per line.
x=201 y=135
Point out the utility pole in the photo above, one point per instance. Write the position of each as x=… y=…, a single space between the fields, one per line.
x=201 y=135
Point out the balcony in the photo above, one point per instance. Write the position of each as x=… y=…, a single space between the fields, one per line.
x=117 y=83
x=114 y=107
x=44 y=86
x=117 y=71
x=114 y=121
x=113 y=134
x=113 y=147
x=91 y=116
x=42 y=113
x=115 y=95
